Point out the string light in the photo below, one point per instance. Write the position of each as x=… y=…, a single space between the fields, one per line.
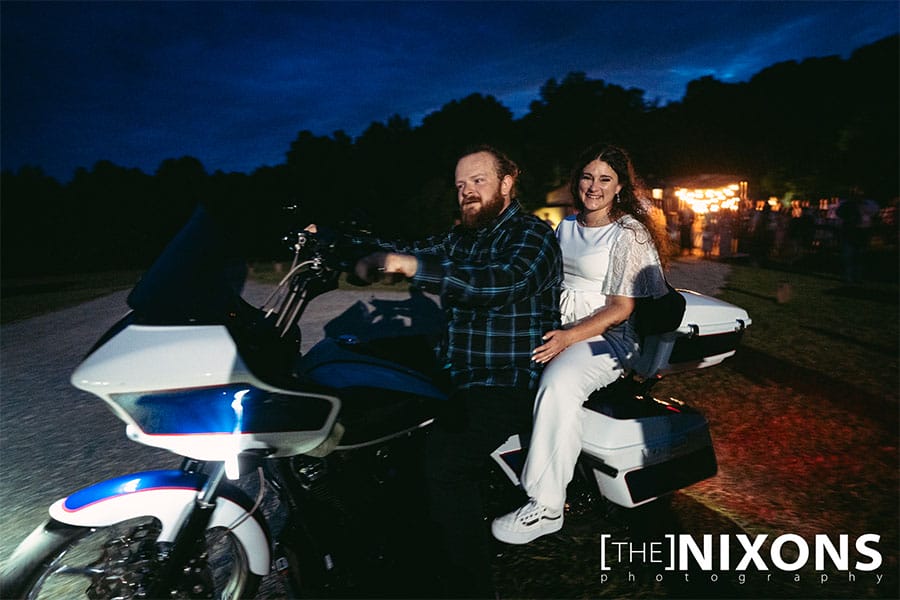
x=705 y=200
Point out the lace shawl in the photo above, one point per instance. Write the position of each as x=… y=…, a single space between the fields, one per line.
x=635 y=269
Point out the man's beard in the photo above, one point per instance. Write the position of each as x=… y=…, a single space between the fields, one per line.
x=489 y=210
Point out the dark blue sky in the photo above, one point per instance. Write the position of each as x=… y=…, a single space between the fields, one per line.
x=233 y=83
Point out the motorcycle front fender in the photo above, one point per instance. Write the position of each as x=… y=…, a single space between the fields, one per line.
x=169 y=496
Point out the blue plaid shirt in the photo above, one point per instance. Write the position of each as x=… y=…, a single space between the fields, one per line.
x=499 y=286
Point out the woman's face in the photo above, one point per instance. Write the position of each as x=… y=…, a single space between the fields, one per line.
x=598 y=187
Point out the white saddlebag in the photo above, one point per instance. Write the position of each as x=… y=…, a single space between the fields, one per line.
x=640 y=448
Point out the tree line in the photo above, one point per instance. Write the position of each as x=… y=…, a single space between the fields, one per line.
x=810 y=129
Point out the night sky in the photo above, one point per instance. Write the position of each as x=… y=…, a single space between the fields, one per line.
x=232 y=84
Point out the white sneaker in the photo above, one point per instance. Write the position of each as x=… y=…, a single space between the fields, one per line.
x=527 y=523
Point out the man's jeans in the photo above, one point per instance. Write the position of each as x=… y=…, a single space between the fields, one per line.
x=475 y=421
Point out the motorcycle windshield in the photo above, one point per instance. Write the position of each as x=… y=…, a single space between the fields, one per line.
x=198 y=278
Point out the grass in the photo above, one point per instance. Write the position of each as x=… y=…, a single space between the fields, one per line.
x=25 y=297
x=826 y=329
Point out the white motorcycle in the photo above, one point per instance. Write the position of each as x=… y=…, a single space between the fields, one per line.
x=335 y=434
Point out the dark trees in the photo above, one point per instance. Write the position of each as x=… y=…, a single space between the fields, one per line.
x=34 y=217
x=574 y=114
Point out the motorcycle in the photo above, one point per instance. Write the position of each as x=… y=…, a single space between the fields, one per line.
x=330 y=438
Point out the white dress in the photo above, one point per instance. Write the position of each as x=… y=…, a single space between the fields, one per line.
x=614 y=260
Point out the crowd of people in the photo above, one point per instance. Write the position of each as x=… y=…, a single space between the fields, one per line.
x=843 y=227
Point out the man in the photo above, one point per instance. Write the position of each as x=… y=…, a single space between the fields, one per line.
x=497 y=274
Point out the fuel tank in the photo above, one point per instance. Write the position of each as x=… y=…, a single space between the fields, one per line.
x=387 y=386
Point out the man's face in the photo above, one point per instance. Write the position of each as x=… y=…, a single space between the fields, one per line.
x=481 y=194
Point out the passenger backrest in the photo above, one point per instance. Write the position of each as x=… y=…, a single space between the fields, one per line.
x=655 y=353
x=709 y=333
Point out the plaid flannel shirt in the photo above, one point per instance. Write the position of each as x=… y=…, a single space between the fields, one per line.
x=499 y=286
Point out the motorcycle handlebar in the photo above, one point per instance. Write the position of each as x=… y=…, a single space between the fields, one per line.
x=339 y=251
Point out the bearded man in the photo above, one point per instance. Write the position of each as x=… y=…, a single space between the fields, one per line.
x=497 y=274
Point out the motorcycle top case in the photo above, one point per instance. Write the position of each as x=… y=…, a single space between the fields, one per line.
x=640 y=448
x=188 y=390
x=710 y=332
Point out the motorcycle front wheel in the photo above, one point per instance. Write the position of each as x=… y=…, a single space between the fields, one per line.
x=122 y=561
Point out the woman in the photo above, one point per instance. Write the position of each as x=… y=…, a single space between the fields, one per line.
x=611 y=256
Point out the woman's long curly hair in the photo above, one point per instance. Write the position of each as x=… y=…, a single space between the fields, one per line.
x=632 y=198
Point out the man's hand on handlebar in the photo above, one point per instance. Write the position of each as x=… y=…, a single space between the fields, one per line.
x=387 y=267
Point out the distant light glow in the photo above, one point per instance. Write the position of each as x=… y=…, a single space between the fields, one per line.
x=706 y=200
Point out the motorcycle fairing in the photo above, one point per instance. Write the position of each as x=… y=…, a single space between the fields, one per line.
x=212 y=407
x=168 y=496
x=235 y=408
